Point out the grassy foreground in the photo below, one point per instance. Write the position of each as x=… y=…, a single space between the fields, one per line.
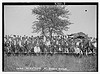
x=65 y=63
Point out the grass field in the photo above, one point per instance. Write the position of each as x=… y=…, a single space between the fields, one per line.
x=66 y=63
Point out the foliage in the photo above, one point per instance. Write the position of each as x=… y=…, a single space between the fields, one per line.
x=50 y=19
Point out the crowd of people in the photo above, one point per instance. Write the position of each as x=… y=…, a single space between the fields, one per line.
x=45 y=45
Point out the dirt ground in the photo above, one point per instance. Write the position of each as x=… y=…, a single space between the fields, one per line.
x=66 y=63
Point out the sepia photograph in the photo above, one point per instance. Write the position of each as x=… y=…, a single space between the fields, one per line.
x=50 y=37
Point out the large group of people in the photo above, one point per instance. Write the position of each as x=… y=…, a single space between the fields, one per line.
x=45 y=45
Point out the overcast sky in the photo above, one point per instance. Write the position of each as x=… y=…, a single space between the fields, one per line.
x=18 y=19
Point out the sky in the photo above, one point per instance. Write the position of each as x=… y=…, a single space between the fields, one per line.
x=18 y=19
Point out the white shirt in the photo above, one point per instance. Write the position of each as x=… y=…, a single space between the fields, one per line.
x=60 y=49
x=77 y=50
x=95 y=44
x=67 y=50
x=77 y=43
x=44 y=39
x=48 y=43
x=57 y=42
x=36 y=49
x=20 y=44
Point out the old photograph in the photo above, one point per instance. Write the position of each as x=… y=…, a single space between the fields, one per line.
x=50 y=37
